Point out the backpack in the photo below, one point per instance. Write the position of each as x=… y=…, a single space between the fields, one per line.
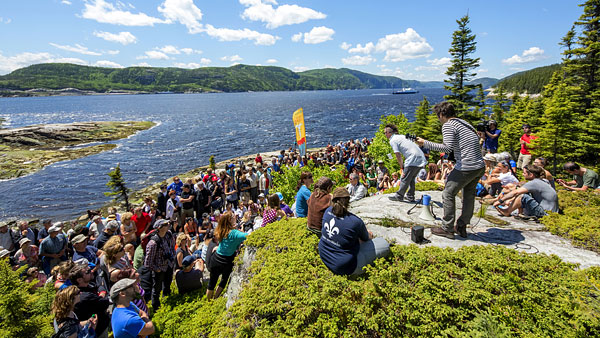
x=144 y=242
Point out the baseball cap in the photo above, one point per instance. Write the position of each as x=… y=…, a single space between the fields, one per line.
x=189 y=260
x=55 y=227
x=120 y=286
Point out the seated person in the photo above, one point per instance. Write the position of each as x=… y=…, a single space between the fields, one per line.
x=535 y=198
x=541 y=162
x=346 y=246
x=504 y=178
x=189 y=278
x=356 y=189
x=317 y=203
x=583 y=178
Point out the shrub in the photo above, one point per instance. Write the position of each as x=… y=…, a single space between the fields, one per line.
x=380 y=148
x=24 y=311
x=580 y=221
x=286 y=181
x=474 y=291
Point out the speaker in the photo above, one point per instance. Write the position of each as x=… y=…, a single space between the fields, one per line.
x=417 y=233
x=426 y=212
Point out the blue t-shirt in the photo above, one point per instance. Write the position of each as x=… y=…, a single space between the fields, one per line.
x=302 y=201
x=229 y=245
x=492 y=143
x=339 y=244
x=178 y=187
x=90 y=253
x=126 y=322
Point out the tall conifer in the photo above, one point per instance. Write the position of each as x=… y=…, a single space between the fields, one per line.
x=117 y=185
x=421 y=118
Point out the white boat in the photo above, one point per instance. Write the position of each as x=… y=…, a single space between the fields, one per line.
x=405 y=91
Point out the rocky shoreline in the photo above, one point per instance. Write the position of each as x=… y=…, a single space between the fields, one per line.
x=26 y=150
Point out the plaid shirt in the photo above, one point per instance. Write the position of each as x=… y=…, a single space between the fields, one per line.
x=158 y=253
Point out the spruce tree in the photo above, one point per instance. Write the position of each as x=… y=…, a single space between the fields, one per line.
x=421 y=117
x=512 y=126
x=462 y=69
x=500 y=105
x=433 y=130
x=117 y=185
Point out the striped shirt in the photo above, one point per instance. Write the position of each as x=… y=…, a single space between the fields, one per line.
x=459 y=136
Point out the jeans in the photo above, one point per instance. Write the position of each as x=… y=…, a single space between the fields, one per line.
x=467 y=182
x=162 y=282
x=369 y=252
x=408 y=182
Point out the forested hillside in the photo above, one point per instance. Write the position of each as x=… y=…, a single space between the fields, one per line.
x=230 y=79
x=531 y=81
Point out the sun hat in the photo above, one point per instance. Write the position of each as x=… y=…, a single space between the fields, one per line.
x=78 y=239
x=55 y=227
x=23 y=241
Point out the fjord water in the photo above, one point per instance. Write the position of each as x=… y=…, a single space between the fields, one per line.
x=190 y=128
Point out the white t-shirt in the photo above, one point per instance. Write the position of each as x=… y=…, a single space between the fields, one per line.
x=413 y=155
x=507 y=178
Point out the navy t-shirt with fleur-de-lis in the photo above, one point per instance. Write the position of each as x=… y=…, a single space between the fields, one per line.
x=339 y=244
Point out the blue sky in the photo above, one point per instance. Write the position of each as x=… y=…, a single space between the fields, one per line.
x=408 y=39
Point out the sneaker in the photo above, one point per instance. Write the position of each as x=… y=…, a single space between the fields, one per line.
x=438 y=231
x=461 y=230
x=396 y=198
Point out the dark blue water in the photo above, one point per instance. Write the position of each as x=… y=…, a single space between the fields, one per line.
x=191 y=127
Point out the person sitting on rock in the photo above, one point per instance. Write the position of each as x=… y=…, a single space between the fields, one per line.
x=318 y=202
x=535 y=198
x=356 y=189
x=346 y=246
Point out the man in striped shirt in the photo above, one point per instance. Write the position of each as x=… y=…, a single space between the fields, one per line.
x=458 y=136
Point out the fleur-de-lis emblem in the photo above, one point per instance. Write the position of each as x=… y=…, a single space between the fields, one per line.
x=331 y=228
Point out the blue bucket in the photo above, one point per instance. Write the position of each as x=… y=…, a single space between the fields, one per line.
x=426 y=200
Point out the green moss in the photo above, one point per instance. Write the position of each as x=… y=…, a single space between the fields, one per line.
x=414 y=292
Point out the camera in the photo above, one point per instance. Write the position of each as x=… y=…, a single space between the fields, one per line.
x=482 y=126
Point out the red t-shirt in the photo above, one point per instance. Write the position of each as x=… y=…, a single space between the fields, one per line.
x=141 y=223
x=258 y=159
x=527 y=139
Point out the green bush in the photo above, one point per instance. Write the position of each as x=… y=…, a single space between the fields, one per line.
x=475 y=291
x=580 y=221
x=24 y=311
x=286 y=181
x=380 y=148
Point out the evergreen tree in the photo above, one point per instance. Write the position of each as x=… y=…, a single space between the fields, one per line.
x=461 y=71
x=568 y=41
x=117 y=185
x=559 y=138
x=421 y=117
x=500 y=105
x=512 y=126
x=380 y=148
x=433 y=130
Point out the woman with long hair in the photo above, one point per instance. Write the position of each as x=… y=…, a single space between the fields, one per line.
x=66 y=323
x=273 y=210
x=183 y=249
x=303 y=194
x=221 y=261
x=346 y=246
x=317 y=203
x=231 y=192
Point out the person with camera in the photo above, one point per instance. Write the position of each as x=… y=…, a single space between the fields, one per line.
x=490 y=134
x=461 y=138
x=160 y=259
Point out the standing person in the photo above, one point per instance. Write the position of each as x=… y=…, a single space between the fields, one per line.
x=26 y=231
x=231 y=193
x=414 y=161
x=346 y=246
x=187 y=202
x=53 y=248
x=176 y=185
x=303 y=194
x=318 y=202
x=43 y=233
x=253 y=178
x=90 y=303
x=161 y=201
x=202 y=199
x=583 y=178
x=9 y=239
x=221 y=262
x=66 y=323
x=128 y=321
x=491 y=135
x=525 y=140
x=458 y=136
x=142 y=221
x=160 y=259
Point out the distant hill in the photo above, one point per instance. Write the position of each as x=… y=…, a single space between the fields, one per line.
x=531 y=81
x=238 y=78
x=486 y=82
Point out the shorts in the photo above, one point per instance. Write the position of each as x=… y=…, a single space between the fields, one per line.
x=531 y=207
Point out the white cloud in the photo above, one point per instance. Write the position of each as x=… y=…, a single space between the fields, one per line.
x=263 y=11
x=300 y=69
x=226 y=34
x=65 y=2
x=345 y=45
x=232 y=58
x=205 y=61
x=10 y=63
x=5 y=20
x=532 y=54
x=106 y=63
x=154 y=54
x=366 y=49
x=143 y=64
x=112 y=52
x=357 y=60
x=441 y=62
x=184 y=12
x=190 y=65
x=169 y=49
x=77 y=49
x=124 y=38
x=104 y=12
x=403 y=46
x=189 y=51
x=272 y=61
x=316 y=35
x=482 y=70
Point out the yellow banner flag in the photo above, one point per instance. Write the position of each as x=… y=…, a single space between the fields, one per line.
x=298 y=118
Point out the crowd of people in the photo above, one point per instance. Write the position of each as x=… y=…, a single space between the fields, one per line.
x=107 y=271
